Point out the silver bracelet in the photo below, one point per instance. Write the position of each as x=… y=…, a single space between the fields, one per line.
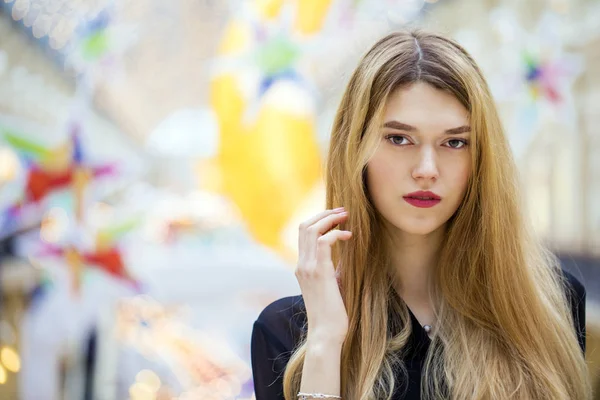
x=307 y=396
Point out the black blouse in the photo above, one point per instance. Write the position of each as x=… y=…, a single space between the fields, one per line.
x=278 y=330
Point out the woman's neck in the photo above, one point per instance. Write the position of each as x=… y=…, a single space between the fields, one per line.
x=413 y=259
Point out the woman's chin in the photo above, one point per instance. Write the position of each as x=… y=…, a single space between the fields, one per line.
x=419 y=228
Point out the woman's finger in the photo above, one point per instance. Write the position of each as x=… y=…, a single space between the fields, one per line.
x=325 y=242
x=302 y=245
x=320 y=216
x=318 y=229
x=324 y=225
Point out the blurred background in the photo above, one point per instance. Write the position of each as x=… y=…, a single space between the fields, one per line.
x=156 y=158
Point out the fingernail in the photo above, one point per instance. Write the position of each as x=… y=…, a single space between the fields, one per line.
x=338 y=209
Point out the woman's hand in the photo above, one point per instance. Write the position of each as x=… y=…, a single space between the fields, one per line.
x=326 y=313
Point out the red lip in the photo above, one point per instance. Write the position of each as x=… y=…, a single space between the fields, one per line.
x=422 y=199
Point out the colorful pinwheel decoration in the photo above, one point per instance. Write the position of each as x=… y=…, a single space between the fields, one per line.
x=106 y=255
x=543 y=78
x=266 y=43
x=549 y=68
x=94 y=44
x=94 y=39
x=276 y=58
x=53 y=170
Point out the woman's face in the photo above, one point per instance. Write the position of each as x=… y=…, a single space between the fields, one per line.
x=418 y=175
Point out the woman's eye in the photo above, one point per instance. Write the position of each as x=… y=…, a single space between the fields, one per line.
x=456 y=143
x=398 y=140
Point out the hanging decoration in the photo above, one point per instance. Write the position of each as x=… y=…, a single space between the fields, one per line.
x=535 y=76
x=105 y=255
x=268 y=152
x=51 y=170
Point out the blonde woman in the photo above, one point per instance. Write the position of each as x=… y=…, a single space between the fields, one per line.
x=421 y=280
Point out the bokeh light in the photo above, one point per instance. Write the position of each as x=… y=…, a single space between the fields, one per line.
x=9 y=164
x=148 y=378
x=2 y=375
x=10 y=359
x=141 y=391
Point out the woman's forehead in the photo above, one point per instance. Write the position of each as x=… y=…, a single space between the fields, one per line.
x=424 y=107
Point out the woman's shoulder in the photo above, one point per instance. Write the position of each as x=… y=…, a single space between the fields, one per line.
x=577 y=296
x=284 y=319
x=281 y=310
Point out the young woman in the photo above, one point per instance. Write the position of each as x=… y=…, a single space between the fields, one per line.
x=435 y=288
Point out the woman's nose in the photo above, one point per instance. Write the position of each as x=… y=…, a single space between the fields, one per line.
x=426 y=167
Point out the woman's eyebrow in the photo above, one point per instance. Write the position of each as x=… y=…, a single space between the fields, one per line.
x=399 y=125
x=459 y=130
x=409 y=128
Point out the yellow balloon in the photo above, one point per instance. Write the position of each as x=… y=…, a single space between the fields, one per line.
x=268 y=9
x=269 y=170
x=267 y=167
x=310 y=15
x=228 y=103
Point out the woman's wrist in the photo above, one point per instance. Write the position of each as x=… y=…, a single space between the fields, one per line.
x=321 y=370
x=319 y=340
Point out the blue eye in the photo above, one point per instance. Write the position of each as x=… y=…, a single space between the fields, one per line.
x=456 y=143
x=398 y=140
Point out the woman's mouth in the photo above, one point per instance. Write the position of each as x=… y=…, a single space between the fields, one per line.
x=422 y=199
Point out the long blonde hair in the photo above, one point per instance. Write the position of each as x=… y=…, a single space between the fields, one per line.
x=503 y=325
